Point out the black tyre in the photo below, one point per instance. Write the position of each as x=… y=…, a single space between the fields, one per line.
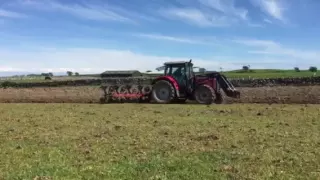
x=220 y=98
x=163 y=92
x=204 y=94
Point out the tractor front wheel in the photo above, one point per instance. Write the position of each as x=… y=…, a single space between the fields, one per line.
x=163 y=92
x=204 y=94
x=220 y=98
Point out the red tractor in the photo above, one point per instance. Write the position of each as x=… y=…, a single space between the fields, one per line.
x=179 y=83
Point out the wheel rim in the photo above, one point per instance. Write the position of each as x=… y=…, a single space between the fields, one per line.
x=163 y=93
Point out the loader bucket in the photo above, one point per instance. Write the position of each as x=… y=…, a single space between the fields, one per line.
x=233 y=94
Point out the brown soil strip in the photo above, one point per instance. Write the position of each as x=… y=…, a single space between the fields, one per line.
x=287 y=95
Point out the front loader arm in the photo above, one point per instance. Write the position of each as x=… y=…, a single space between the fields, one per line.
x=227 y=86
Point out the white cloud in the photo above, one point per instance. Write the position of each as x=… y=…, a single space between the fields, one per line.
x=209 y=13
x=89 y=12
x=11 y=14
x=267 y=20
x=255 y=25
x=312 y=56
x=268 y=47
x=9 y=69
x=84 y=10
x=189 y=40
x=273 y=8
x=97 y=60
x=227 y=7
x=196 y=17
x=256 y=42
x=203 y=13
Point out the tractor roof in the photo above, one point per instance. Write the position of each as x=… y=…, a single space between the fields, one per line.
x=176 y=62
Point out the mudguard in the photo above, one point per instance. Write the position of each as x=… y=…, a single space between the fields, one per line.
x=172 y=80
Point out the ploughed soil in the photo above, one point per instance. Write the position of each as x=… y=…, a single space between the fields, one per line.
x=287 y=95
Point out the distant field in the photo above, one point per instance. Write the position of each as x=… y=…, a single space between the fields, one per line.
x=264 y=73
x=42 y=78
x=130 y=141
x=269 y=74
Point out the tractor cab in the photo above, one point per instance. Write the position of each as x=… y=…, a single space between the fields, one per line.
x=182 y=72
x=176 y=68
x=179 y=70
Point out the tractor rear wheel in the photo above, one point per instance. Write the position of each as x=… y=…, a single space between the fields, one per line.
x=204 y=94
x=163 y=92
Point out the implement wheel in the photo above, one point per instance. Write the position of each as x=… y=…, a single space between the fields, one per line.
x=163 y=92
x=204 y=94
x=134 y=89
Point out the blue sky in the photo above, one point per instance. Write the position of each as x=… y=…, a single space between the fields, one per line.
x=97 y=35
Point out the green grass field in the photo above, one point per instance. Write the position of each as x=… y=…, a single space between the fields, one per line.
x=137 y=141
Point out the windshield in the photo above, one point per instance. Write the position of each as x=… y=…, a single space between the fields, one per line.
x=178 y=71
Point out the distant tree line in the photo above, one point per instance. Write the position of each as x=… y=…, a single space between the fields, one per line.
x=50 y=74
x=311 y=69
x=70 y=73
x=297 y=69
